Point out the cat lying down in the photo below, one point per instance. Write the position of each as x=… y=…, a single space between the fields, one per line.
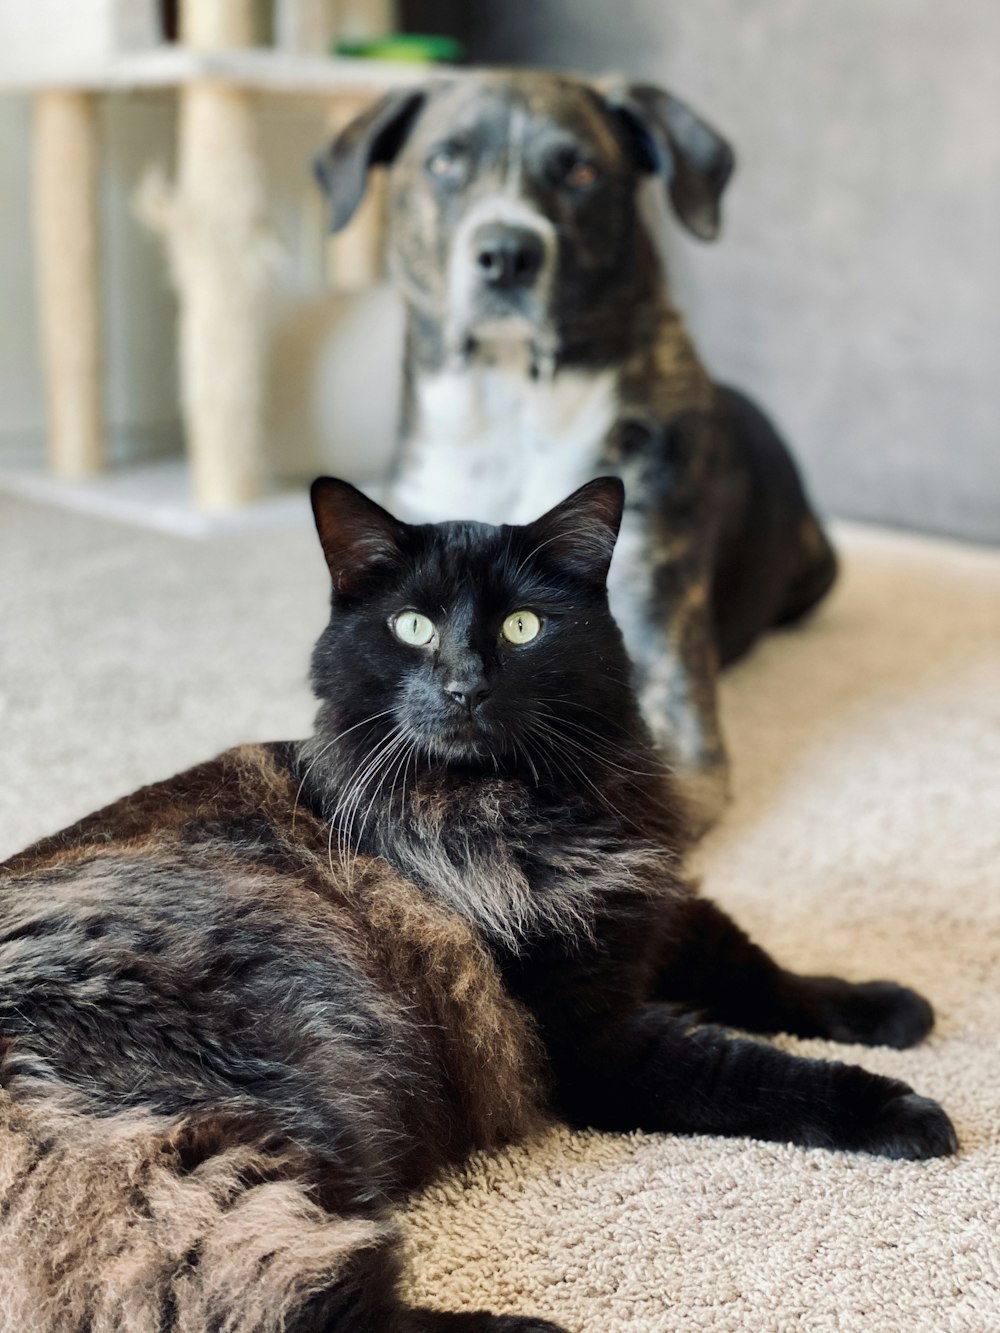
x=243 y=1011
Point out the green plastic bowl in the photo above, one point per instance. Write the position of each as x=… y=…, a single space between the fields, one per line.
x=416 y=47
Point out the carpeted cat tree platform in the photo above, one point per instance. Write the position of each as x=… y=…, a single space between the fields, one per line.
x=864 y=838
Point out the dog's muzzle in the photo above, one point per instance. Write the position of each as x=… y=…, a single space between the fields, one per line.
x=506 y=256
x=500 y=275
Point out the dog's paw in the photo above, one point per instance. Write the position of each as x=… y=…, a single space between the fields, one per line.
x=911 y=1128
x=704 y=795
x=875 y=1013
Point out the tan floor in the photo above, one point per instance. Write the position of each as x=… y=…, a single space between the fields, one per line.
x=864 y=838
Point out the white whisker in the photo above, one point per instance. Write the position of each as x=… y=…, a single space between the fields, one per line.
x=325 y=750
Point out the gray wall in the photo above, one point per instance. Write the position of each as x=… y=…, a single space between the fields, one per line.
x=856 y=289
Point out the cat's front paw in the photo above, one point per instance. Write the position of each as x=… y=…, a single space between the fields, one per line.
x=874 y=1013
x=443 y=1321
x=911 y=1128
x=519 y=1324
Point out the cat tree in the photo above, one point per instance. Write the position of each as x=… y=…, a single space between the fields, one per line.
x=212 y=218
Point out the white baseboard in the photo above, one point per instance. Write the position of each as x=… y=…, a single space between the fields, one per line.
x=153 y=495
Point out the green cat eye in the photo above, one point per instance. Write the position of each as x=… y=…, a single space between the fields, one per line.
x=413 y=628
x=521 y=627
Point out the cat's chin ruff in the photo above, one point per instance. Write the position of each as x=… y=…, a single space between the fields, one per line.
x=513 y=870
x=455 y=750
x=491 y=889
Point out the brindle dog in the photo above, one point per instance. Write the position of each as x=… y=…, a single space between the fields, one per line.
x=542 y=349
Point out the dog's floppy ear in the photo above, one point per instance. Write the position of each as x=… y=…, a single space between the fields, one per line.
x=695 y=161
x=374 y=137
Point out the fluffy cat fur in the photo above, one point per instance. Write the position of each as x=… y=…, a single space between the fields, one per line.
x=245 y=1009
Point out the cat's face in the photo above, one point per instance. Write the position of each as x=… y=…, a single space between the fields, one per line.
x=468 y=644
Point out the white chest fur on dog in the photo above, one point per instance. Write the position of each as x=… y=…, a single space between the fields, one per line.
x=495 y=444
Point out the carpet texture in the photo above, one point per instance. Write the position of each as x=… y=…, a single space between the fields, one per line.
x=864 y=838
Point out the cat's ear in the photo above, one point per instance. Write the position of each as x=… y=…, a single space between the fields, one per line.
x=355 y=533
x=580 y=533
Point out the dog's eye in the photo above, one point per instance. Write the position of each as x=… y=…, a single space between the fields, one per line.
x=445 y=162
x=568 y=168
x=521 y=627
x=414 y=629
x=580 y=175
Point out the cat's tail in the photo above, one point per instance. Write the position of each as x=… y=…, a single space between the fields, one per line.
x=135 y=1223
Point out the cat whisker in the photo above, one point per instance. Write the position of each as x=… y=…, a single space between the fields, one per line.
x=345 y=811
x=399 y=746
x=380 y=767
x=559 y=536
x=558 y=747
x=401 y=769
x=575 y=703
x=325 y=750
x=600 y=749
x=527 y=758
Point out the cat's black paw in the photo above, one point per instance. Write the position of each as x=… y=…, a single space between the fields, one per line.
x=875 y=1013
x=445 y=1321
x=521 y=1324
x=911 y=1128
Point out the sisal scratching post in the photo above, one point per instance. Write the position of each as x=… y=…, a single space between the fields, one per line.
x=222 y=255
x=68 y=250
x=221 y=250
x=304 y=26
x=216 y=24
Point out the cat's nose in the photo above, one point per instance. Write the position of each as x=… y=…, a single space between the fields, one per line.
x=468 y=693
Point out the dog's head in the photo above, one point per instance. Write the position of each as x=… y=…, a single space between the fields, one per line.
x=514 y=210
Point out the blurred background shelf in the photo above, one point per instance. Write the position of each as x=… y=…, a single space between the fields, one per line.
x=254 y=70
x=854 y=288
x=213 y=218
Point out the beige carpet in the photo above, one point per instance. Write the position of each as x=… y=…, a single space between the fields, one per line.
x=864 y=838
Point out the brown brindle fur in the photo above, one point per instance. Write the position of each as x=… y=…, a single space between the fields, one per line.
x=138 y=1208
x=718 y=539
x=228 y=1044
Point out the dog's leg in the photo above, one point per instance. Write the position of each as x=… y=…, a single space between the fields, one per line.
x=815 y=574
x=659 y=591
x=714 y=967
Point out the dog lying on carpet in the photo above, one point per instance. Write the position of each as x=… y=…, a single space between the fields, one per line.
x=542 y=349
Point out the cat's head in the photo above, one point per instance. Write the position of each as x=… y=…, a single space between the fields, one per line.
x=466 y=644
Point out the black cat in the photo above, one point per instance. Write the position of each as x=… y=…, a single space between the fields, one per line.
x=247 y=1008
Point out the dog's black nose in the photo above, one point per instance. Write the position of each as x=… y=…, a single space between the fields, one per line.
x=508 y=256
x=469 y=694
